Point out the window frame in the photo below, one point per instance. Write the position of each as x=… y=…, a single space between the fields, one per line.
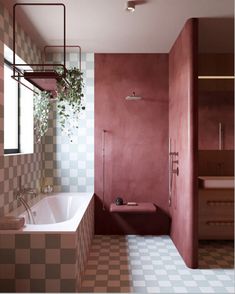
x=16 y=150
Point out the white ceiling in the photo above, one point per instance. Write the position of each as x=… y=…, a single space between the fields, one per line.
x=105 y=26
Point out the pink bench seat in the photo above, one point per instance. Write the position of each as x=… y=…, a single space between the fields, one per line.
x=141 y=207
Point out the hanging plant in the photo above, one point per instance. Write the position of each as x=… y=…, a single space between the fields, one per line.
x=41 y=112
x=69 y=98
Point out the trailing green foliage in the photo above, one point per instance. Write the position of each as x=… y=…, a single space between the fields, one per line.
x=41 y=111
x=69 y=99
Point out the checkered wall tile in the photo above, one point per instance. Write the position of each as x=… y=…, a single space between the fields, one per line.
x=46 y=262
x=29 y=166
x=69 y=166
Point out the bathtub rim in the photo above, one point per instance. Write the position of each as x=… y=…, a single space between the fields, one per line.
x=69 y=226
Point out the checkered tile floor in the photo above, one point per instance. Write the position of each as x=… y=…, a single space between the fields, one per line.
x=151 y=264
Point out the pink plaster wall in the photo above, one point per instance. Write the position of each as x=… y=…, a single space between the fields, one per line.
x=136 y=140
x=183 y=132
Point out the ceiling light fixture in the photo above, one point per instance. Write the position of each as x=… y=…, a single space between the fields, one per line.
x=130 y=6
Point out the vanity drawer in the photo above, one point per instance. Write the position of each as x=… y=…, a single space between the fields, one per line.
x=216 y=214
x=217 y=210
x=216 y=202
x=216 y=230
x=206 y=195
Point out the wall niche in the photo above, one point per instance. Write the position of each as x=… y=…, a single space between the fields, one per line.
x=216 y=95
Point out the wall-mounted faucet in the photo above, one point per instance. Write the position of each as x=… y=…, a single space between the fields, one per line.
x=172 y=170
x=176 y=170
x=20 y=197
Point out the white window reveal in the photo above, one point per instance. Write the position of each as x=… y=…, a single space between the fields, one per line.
x=18 y=110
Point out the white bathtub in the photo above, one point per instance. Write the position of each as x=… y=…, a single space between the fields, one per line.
x=59 y=212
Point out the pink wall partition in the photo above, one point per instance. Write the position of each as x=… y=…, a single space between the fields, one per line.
x=183 y=132
x=136 y=144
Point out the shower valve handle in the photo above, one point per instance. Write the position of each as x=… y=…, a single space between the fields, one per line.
x=175 y=171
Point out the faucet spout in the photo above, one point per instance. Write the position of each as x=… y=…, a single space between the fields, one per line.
x=29 y=191
x=20 y=198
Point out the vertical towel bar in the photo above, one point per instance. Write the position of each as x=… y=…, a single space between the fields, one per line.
x=103 y=168
x=220 y=136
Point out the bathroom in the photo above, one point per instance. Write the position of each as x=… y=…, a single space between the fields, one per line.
x=149 y=129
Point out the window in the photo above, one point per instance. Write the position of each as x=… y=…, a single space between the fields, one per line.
x=26 y=118
x=18 y=111
x=11 y=112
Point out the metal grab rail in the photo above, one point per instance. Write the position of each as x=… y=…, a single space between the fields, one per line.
x=16 y=76
x=37 y=4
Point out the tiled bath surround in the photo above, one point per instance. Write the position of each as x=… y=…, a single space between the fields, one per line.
x=46 y=262
x=69 y=166
x=27 y=166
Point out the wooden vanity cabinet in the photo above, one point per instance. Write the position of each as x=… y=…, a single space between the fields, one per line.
x=216 y=214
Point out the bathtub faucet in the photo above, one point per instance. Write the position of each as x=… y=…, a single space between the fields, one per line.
x=20 y=197
x=26 y=191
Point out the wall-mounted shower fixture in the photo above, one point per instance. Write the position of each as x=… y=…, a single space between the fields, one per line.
x=103 y=167
x=133 y=97
x=176 y=170
x=172 y=170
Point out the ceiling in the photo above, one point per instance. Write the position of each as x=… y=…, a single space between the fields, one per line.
x=105 y=26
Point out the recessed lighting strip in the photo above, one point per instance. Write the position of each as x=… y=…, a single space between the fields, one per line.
x=216 y=77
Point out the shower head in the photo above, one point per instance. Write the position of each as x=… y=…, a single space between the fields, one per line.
x=133 y=97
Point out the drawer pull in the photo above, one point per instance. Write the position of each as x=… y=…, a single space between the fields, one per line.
x=220 y=223
x=220 y=203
